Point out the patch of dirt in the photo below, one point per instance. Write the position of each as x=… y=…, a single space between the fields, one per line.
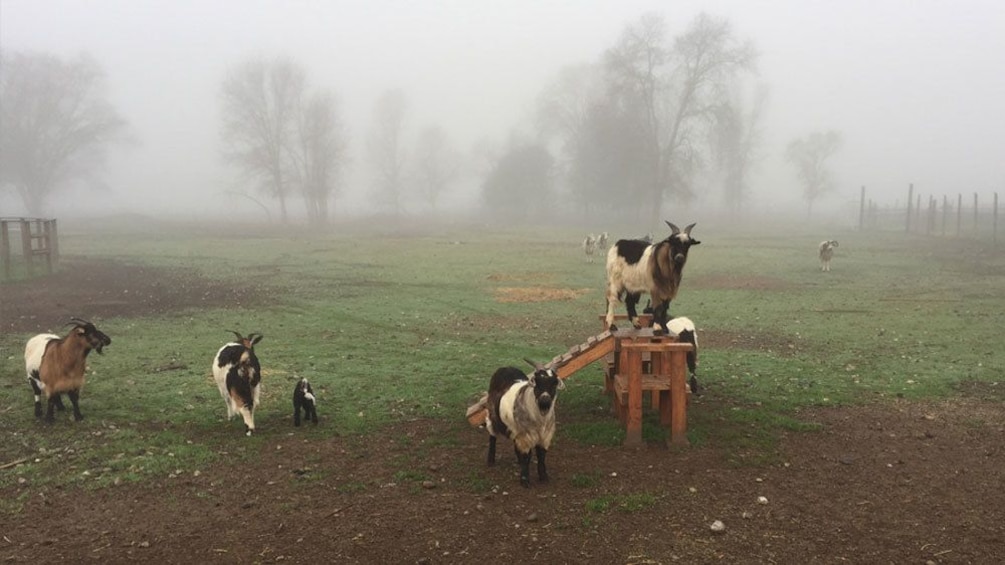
x=897 y=483
x=94 y=289
x=762 y=341
x=537 y=294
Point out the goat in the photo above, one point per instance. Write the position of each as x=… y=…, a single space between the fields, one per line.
x=303 y=398
x=522 y=408
x=601 y=242
x=826 y=252
x=685 y=330
x=237 y=375
x=634 y=267
x=589 y=246
x=56 y=365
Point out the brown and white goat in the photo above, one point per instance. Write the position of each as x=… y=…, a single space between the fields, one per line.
x=237 y=375
x=634 y=267
x=55 y=365
x=522 y=408
x=826 y=253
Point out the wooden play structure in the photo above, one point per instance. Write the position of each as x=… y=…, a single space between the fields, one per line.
x=39 y=240
x=636 y=362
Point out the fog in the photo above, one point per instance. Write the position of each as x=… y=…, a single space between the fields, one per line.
x=916 y=88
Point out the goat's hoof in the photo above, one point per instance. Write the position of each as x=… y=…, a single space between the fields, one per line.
x=78 y=417
x=525 y=483
x=542 y=479
x=612 y=328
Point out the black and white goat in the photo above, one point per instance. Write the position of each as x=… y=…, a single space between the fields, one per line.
x=635 y=267
x=826 y=253
x=237 y=374
x=304 y=399
x=522 y=408
x=686 y=332
x=55 y=365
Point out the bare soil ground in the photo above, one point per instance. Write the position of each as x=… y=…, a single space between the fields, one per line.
x=901 y=482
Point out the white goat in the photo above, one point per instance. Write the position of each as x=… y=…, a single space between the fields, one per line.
x=826 y=253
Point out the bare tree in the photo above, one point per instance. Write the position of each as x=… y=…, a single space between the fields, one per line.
x=386 y=148
x=520 y=184
x=672 y=88
x=436 y=164
x=261 y=106
x=809 y=155
x=320 y=155
x=735 y=138
x=56 y=124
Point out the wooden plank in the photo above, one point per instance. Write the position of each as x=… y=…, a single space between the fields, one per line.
x=585 y=358
x=668 y=346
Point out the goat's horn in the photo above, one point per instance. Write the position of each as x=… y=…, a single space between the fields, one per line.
x=687 y=230
x=675 y=229
x=239 y=336
x=79 y=321
x=534 y=364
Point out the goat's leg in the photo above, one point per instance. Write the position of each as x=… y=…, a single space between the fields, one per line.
x=492 y=450
x=542 y=472
x=314 y=414
x=612 y=298
x=50 y=406
x=37 y=389
x=524 y=459
x=75 y=399
x=661 y=315
x=631 y=300
x=296 y=414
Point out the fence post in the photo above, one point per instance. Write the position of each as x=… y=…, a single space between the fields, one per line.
x=54 y=243
x=861 y=209
x=959 y=212
x=5 y=248
x=26 y=246
x=994 y=232
x=917 y=211
x=975 y=214
x=910 y=199
x=945 y=213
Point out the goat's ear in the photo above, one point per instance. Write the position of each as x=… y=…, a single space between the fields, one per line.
x=674 y=229
x=695 y=242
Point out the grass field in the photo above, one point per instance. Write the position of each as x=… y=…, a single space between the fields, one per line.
x=393 y=327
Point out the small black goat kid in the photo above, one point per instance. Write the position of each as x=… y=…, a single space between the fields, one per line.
x=522 y=408
x=237 y=374
x=303 y=398
x=55 y=365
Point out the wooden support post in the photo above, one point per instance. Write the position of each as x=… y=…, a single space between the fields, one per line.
x=678 y=397
x=861 y=209
x=945 y=213
x=633 y=372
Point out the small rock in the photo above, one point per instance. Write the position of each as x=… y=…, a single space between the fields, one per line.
x=746 y=515
x=762 y=500
x=692 y=490
x=532 y=518
x=144 y=544
x=428 y=484
x=718 y=527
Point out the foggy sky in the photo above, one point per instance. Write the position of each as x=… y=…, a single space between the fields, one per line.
x=917 y=88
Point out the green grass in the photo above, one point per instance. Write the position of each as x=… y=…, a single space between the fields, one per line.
x=392 y=328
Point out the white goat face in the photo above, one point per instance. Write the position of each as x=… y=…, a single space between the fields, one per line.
x=546 y=385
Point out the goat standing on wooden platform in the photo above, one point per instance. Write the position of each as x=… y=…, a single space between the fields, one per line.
x=56 y=365
x=634 y=267
x=522 y=408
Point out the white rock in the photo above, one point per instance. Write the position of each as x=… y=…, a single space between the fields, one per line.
x=762 y=500
x=718 y=527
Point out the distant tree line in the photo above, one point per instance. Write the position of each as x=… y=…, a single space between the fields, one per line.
x=658 y=118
